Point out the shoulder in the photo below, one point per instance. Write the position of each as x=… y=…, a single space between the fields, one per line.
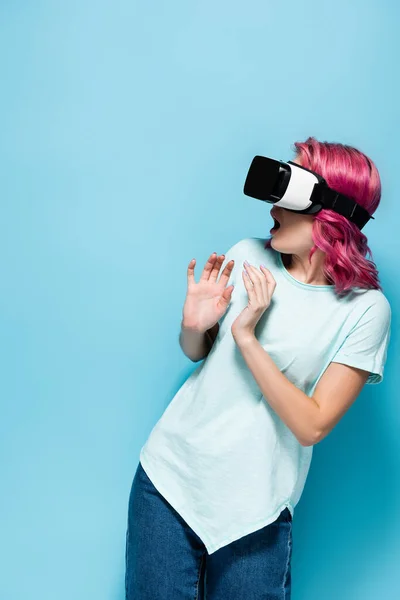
x=375 y=300
x=253 y=244
x=374 y=308
x=380 y=307
x=252 y=249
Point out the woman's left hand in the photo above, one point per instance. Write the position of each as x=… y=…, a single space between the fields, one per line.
x=260 y=286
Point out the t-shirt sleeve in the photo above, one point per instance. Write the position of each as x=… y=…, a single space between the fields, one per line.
x=366 y=346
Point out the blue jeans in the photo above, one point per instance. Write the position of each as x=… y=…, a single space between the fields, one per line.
x=166 y=560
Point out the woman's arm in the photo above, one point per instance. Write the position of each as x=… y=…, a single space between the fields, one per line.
x=197 y=344
x=309 y=418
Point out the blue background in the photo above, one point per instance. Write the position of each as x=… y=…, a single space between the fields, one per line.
x=127 y=129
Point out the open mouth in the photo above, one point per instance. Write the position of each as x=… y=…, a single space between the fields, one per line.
x=276 y=224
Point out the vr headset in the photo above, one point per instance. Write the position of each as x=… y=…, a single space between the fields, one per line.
x=301 y=190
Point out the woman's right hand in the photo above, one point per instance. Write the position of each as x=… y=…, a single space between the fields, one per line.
x=206 y=302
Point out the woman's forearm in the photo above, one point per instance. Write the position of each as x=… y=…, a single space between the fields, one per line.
x=300 y=412
x=197 y=344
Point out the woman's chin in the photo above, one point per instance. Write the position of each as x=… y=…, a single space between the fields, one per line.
x=273 y=238
x=276 y=244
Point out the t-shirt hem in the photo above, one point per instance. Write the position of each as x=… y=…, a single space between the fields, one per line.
x=194 y=524
x=251 y=528
x=181 y=510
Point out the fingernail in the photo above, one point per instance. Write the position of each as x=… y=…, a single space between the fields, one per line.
x=246 y=263
x=262 y=264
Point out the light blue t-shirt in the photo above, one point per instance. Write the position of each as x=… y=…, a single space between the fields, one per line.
x=219 y=454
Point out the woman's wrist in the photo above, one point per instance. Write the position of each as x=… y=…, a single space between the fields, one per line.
x=192 y=326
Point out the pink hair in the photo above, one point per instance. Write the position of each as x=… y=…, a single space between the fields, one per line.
x=349 y=171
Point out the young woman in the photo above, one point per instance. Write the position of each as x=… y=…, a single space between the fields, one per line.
x=286 y=354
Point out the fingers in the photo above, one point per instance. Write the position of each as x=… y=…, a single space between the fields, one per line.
x=190 y=271
x=249 y=286
x=216 y=267
x=208 y=267
x=213 y=267
x=226 y=273
x=206 y=271
x=262 y=283
x=268 y=275
x=226 y=295
x=270 y=281
x=259 y=286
